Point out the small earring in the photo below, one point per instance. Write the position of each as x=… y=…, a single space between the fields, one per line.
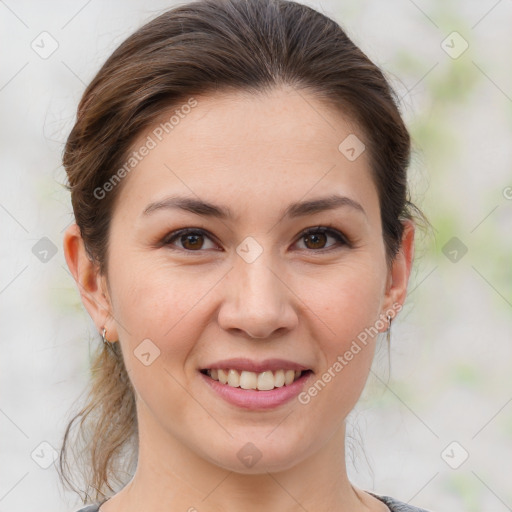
x=107 y=345
x=104 y=336
x=388 y=339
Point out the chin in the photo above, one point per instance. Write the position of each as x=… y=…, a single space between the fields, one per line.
x=252 y=455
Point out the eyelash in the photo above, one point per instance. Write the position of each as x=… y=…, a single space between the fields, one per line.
x=326 y=230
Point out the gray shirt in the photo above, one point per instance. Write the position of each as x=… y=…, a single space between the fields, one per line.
x=393 y=505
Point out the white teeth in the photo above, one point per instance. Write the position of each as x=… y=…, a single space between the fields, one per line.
x=223 y=376
x=233 y=378
x=263 y=381
x=248 y=380
x=279 y=378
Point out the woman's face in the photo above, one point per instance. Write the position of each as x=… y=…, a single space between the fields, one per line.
x=209 y=268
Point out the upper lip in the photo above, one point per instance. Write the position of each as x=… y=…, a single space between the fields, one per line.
x=250 y=365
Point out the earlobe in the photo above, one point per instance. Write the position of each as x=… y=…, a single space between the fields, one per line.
x=90 y=282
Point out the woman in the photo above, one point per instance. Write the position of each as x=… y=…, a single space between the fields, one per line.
x=243 y=234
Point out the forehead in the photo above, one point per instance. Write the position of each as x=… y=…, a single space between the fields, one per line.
x=243 y=149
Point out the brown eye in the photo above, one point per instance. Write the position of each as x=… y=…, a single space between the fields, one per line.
x=317 y=238
x=190 y=240
x=315 y=241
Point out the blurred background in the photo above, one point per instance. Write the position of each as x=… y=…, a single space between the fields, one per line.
x=435 y=428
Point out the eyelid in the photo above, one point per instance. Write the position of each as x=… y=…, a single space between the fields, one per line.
x=326 y=229
x=166 y=241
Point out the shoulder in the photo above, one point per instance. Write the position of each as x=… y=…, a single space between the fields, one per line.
x=395 y=505
x=90 y=508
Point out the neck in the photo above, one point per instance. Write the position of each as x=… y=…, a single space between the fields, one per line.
x=170 y=476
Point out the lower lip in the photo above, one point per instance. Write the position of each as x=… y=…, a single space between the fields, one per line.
x=257 y=400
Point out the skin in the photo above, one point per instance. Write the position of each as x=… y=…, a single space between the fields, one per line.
x=305 y=301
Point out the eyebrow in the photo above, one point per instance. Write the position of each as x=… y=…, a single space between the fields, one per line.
x=294 y=210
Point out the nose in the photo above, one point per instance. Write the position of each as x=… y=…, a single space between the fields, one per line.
x=257 y=301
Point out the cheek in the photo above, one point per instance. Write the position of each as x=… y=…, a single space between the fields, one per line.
x=172 y=305
x=150 y=302
x=163 y=303
x=348 y=301
x=348 y=307
x=155 y=303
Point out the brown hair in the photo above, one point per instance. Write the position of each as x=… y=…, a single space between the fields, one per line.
x=201 y=47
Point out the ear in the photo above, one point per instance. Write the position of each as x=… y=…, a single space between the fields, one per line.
x=91 y=284
x=398 y=278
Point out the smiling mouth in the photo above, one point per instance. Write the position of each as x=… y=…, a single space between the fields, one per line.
x=263 y=381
